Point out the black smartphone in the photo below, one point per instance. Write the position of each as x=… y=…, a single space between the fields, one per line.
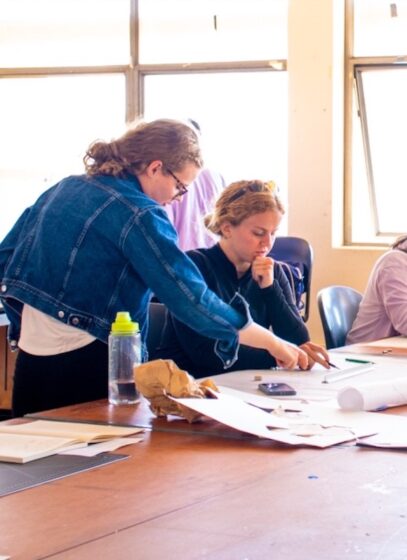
x=277 y=389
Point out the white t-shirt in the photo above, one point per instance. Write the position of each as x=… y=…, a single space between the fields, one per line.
x=43 y=335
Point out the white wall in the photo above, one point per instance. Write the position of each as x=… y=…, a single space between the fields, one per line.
x=315 y=163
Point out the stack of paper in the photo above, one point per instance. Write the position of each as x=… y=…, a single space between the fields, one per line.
x=20 y=443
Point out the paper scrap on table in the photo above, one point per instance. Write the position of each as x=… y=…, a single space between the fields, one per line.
x=321 y=438
x=388 y=440
x=96 y=448
x=374 y=396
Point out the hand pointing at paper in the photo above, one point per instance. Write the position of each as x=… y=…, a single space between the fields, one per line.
x=316 y=354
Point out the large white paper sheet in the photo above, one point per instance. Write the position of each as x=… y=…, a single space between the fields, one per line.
x=261 y=401
x=309 y=385
x=316 y=403
x=300 y=428
x=234 y=413
x=326 y=414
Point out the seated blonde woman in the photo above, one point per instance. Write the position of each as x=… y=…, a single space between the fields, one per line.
x=246 y=218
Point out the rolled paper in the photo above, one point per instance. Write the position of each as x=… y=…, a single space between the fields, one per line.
x=374 y=396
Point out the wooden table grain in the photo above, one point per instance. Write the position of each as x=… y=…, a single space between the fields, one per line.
x=188 y=495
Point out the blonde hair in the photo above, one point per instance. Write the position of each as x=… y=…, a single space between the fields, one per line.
x=241 y=200
x=170 y=141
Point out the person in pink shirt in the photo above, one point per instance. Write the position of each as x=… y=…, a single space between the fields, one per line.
x=383 y=309
x=187 y=215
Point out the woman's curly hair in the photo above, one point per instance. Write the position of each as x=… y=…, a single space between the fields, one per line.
x=170 y=141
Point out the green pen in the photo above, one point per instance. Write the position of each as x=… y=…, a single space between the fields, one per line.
x=358 y=361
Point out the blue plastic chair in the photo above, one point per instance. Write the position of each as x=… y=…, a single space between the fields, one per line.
x=338 y=307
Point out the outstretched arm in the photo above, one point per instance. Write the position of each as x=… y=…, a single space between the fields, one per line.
x=287 y=355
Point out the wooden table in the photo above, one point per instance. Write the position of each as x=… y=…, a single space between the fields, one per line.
x=192 y=496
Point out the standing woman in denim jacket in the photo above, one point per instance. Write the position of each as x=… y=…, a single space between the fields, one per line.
x=99 y=243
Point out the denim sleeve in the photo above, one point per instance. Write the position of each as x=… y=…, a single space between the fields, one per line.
x=13 y=308
x=197 y=354
x=150 y=244
x=9 y=243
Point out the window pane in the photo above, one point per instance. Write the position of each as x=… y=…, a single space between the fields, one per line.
x=212 y=30
x=363 y=225
x=64 y=32
x=380 y=28
x=47 y=124
x=243 y=117
x=385 y=92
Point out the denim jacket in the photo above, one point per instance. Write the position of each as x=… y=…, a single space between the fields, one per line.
x=92 y=246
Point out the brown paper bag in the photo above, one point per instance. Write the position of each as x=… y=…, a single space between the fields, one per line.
x=159 y=378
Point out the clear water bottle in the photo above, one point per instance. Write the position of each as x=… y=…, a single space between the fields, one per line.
x=124 y=354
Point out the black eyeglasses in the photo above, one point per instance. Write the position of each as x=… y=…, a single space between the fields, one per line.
x=254 y=187
x=181 y=187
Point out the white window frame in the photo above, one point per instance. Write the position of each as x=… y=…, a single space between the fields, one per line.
x=355 y=104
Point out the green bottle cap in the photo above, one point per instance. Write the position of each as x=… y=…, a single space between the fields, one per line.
x=123 y=324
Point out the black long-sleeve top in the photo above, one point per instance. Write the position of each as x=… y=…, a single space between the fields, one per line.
x=271 y=307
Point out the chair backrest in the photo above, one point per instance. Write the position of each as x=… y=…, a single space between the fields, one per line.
x=296 y=251
x=338 y=307
x=156 y=322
